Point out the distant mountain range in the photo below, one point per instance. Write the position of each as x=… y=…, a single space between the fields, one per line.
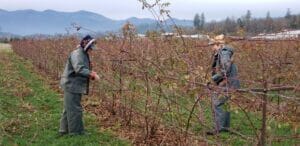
x=50 y=22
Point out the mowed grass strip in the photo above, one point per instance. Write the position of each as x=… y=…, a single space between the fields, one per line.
x=30 y=110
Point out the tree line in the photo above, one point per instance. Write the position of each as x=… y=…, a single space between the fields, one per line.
x=246 y=24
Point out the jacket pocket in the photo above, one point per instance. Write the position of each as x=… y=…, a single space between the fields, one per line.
x=79 y=85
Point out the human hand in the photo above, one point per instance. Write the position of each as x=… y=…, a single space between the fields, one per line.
x=94 y=76
x=97 y=77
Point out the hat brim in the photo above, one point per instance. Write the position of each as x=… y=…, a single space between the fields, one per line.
x=89 y=44
x=212 y=42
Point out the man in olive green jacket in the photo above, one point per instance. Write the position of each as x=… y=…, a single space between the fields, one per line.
x=75 y=82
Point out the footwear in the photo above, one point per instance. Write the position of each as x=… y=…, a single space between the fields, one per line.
x=224 y=130
x=213 y=132
x=60 y=134
x=84 y=133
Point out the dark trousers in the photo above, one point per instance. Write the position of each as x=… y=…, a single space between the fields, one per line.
x=71 y=120
x=222 y=118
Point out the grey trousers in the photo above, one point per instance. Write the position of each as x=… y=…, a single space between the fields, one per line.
x=222 y=118
x=71 y=120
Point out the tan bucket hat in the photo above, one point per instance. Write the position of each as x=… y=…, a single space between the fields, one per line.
x=219 y=39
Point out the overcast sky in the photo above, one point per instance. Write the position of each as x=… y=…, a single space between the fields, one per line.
x=183 y=9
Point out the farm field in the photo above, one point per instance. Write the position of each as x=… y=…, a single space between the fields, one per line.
x=153 y=91
x=150 y=73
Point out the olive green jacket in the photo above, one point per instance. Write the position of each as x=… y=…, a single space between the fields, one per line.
x=75 y=78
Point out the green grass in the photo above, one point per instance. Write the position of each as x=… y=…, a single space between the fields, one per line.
x=30 y=110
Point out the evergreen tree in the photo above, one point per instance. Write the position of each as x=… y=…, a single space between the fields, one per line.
x=202 y=21
x=288 y=14
x=248 y=21
x=197 y=22
x=240 y=23
x=269 y=23
x=293 y=22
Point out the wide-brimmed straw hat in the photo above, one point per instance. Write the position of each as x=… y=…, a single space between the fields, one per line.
x=219 y=39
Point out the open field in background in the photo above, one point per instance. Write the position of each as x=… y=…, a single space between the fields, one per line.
x=152 y=91
x=4 y=46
